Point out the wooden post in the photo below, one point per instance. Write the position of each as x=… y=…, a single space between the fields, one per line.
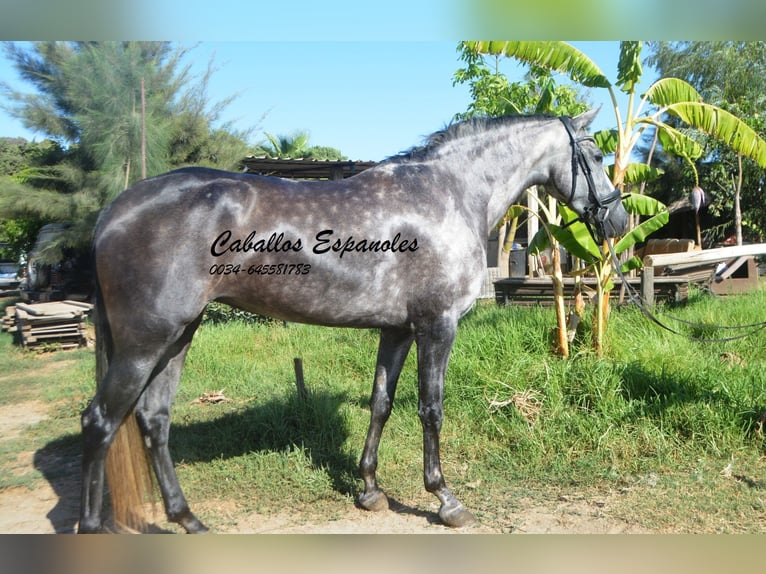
x=647 y=285
x=298 y=364
x=533 y=224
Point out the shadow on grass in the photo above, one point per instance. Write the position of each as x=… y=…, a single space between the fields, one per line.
x=315 y=424
x=700 y=407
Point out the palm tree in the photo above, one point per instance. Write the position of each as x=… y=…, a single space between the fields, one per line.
x=290 y=146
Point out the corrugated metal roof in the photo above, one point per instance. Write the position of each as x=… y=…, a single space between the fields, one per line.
x=303 y=168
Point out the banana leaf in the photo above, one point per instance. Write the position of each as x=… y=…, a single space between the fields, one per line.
x=607 y=140
x=631 y=264
x=638 y=204
x=723 y=126
x=678 y=143
x=629 y=69
x=577 y=240
x=671 y=91
x=641 y=231
x=558 y=56
x=636 y=173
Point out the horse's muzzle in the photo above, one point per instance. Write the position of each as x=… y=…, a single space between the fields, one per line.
x=615 y=223
x=608 y=216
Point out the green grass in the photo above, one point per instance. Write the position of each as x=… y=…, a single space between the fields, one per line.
x=669 y=424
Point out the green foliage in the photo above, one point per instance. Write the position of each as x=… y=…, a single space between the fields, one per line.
x=103 y=103
x=218 y=313
x=319 y=152
x=285 y=146
x=296 y=146
x=731 y=75
x=674 y=96
x=629 y=70
x=646 y=206
x=637 y=173
x=558 y=56
x=492 y=94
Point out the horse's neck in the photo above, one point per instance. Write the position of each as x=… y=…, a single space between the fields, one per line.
x=517 y=166
x=500 y=173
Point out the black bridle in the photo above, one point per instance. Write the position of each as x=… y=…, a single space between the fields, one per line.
x=598 y=210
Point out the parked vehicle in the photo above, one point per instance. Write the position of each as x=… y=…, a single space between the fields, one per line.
x=9 y=275
x=70 y=275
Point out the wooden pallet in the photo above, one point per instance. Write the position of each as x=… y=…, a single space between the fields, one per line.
x=60 y=324
x=8 y=322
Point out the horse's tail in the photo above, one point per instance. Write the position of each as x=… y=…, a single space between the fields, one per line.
x=127 y=466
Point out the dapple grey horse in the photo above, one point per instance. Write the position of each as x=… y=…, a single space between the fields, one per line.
x=400 y=247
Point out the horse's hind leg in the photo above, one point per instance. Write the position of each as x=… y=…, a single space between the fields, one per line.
x=153 y=415
x=114 y=399
x=434 y=347
x=392 y=351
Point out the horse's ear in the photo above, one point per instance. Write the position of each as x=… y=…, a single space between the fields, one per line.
x=583 y=121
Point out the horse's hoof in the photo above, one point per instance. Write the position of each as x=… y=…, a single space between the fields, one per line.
x=456 y=516
x=374 y=501
x=199 y=529
x=191 y=524
x=86 y=529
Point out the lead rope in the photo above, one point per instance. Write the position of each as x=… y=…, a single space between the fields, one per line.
x=635 y=298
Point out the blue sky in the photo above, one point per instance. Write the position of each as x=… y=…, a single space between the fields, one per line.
x=368 y=99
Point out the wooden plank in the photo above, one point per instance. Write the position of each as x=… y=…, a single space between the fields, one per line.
x=79 y=304
x=705 y=255
x=539 y=290
x=731 y=268
x=734 y=280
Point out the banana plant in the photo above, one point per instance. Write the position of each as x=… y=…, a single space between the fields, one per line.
x=666 y=97
x=549 y=223
x=574 y=236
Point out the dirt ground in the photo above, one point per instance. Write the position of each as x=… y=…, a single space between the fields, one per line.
x=51 y=508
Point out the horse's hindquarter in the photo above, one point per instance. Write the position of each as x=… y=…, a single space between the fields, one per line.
x=359 y=252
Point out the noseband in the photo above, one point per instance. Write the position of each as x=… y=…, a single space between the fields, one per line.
x=598 y=210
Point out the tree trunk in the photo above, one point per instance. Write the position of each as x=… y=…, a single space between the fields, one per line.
x=502 y=257
x=143 y=130
x=737 y=206
x=558 y=297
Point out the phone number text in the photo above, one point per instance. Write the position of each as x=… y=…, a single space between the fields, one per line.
x=261 y=269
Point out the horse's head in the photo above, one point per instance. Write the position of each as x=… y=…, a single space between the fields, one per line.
x=581 y=182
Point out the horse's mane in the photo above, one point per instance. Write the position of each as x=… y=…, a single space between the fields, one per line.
x=457 y=130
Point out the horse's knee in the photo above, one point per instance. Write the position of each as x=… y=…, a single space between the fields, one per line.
x=431 y=416
x=381 y=406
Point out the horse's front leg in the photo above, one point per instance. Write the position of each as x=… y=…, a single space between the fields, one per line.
x=434 y=347
x=392 y=351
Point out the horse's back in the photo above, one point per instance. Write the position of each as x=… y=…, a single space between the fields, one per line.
x=277 y=247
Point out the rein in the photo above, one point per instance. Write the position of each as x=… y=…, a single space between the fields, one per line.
x=596 y=215
x=635 y=298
